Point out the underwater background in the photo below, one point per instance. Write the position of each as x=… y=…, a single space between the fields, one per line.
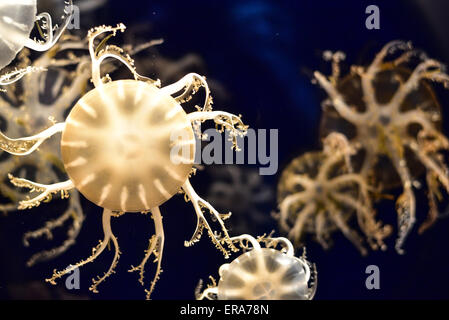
x=259 y=57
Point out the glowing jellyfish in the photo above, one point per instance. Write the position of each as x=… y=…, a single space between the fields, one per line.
x=17 y=19
x=390 y=114
x=128 y=146
x=264 y=274
x=319 y=193
x=27 y=107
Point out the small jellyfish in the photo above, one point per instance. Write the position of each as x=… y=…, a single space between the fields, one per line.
x=128 y=146
x=390 y=114
x=318 y=193
x=17 y=20
x=263 y=273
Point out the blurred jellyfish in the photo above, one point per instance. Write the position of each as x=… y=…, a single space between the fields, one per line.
x=390 y=114
x=31 y=104
x=263 y=273
x=319 y=193
x=17 y=20
x=244 y=193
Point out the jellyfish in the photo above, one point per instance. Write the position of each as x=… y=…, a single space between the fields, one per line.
x=263 y=273
x=390 y=114
x=128 y=146
x=318 y=193
x=244 y=193
x=17 y=20
x=30 y=105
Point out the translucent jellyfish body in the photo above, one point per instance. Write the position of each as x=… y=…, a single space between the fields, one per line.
x=390 y=114
x=131 y=122
x=17 y=20
x=128 y=146
x=318 y=193
x=264 y=274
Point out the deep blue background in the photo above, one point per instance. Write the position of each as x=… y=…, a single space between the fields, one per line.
x=262 y=52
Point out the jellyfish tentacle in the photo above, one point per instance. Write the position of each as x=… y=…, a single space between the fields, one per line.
x=406 y=203
x=313 y=277
x=223 y=121
x=373 y=230
x=431 y=164
x=415 y=116
x=74 y=212
x=187 y=86
x=208 y=293
x=350 y=178
x=426 y=69
x=296 y=232
x=199 y=205
x=301 y=179
x=350 y=234
x=113 y=238
x=156 y=248
x=432 y=194
x=46 y=191
x=16 y=75
x=96 y=251
x=284 y=206
x=284 y=242
x=25 y=146
x=50 y=37
x=98 y=54
x=338 y=102
x=260 y=262
x=388 y=49
x=246 y=237
x=327 y=165
x=320 y=231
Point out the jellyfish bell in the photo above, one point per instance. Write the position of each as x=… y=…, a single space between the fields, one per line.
x=282 y=277
x=17 y=21
x=130 y=122
x=264 y=273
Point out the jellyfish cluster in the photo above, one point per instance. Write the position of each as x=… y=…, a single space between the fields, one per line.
x=319 y=191
x=381 y=129
x=127 y=145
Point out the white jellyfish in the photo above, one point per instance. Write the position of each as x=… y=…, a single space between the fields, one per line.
x=263 y=273
x=17 y=20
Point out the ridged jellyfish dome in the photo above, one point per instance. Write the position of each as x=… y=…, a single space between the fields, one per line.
x=118 y=146
x=263 y=274
x=17 y=19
